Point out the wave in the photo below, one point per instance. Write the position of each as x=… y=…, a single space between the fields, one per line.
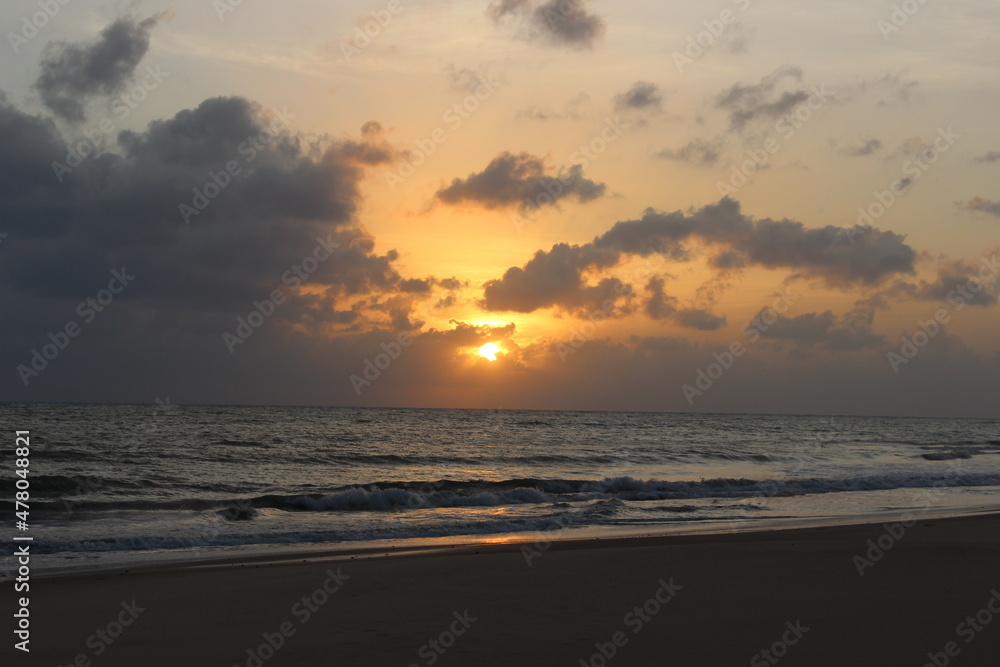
x=232 y=540
x=390 y=496
x=403 y=496
x=750 y=456
x=545 y=526
x=239 y=443
x=62 y=485
x=362 y=460
x=956 y=443
x=947 y=456
x=57 y=452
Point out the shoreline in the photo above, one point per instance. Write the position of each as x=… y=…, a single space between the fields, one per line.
x=755 y=529
x=720 y=598
x=711 y=599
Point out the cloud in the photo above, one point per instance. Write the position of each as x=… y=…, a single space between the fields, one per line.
x=465 y=80
x=890 y=88
x=990 y=157
x=498 y=10
x=641 y=96
x=823 y=252
x=555 y=22
x=125 y=210
x=73 y=73
x=958 y=281
x=520 y=180
x=556 y=277
x=867 y=147
x=915 y=148
x=895 y=87
x=697 y=151
x=735 y=39
x=981 y=205
x=660 y=306
x=572 y=110
x=775 y=95
x=550 y=278
x=536 y=113
x=849 y=333
x=698 y=318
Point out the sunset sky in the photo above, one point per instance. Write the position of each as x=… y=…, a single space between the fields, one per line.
x=609 y=192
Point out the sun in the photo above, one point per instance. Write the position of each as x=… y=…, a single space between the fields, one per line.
x=489 y=351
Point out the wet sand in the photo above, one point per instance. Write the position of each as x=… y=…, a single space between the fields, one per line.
x=687 y=600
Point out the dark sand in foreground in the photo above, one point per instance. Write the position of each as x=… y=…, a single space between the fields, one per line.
x=738 y=595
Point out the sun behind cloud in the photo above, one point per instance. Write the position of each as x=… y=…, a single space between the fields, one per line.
x=489 y=351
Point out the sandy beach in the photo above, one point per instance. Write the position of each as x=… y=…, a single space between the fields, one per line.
x=877 y=594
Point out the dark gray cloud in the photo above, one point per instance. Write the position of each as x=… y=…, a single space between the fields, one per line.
x=867 y=147
x=848 y=333
x=957 y=281
x=981 y=205
x=774 y=96
x=647 y=373
x=520 y=180
x=554 y=278
x=556 y=22
x=697 y=151
x=699 y=318
x=823 y=252
x=267 y=209
x=641 y=96
x=72 y=74
x=146 y=208
x=660 y=306
x=568 y=22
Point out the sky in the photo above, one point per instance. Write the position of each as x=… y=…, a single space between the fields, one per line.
x=755 y=206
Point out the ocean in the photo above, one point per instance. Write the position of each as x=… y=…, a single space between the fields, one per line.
x=112 y=485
